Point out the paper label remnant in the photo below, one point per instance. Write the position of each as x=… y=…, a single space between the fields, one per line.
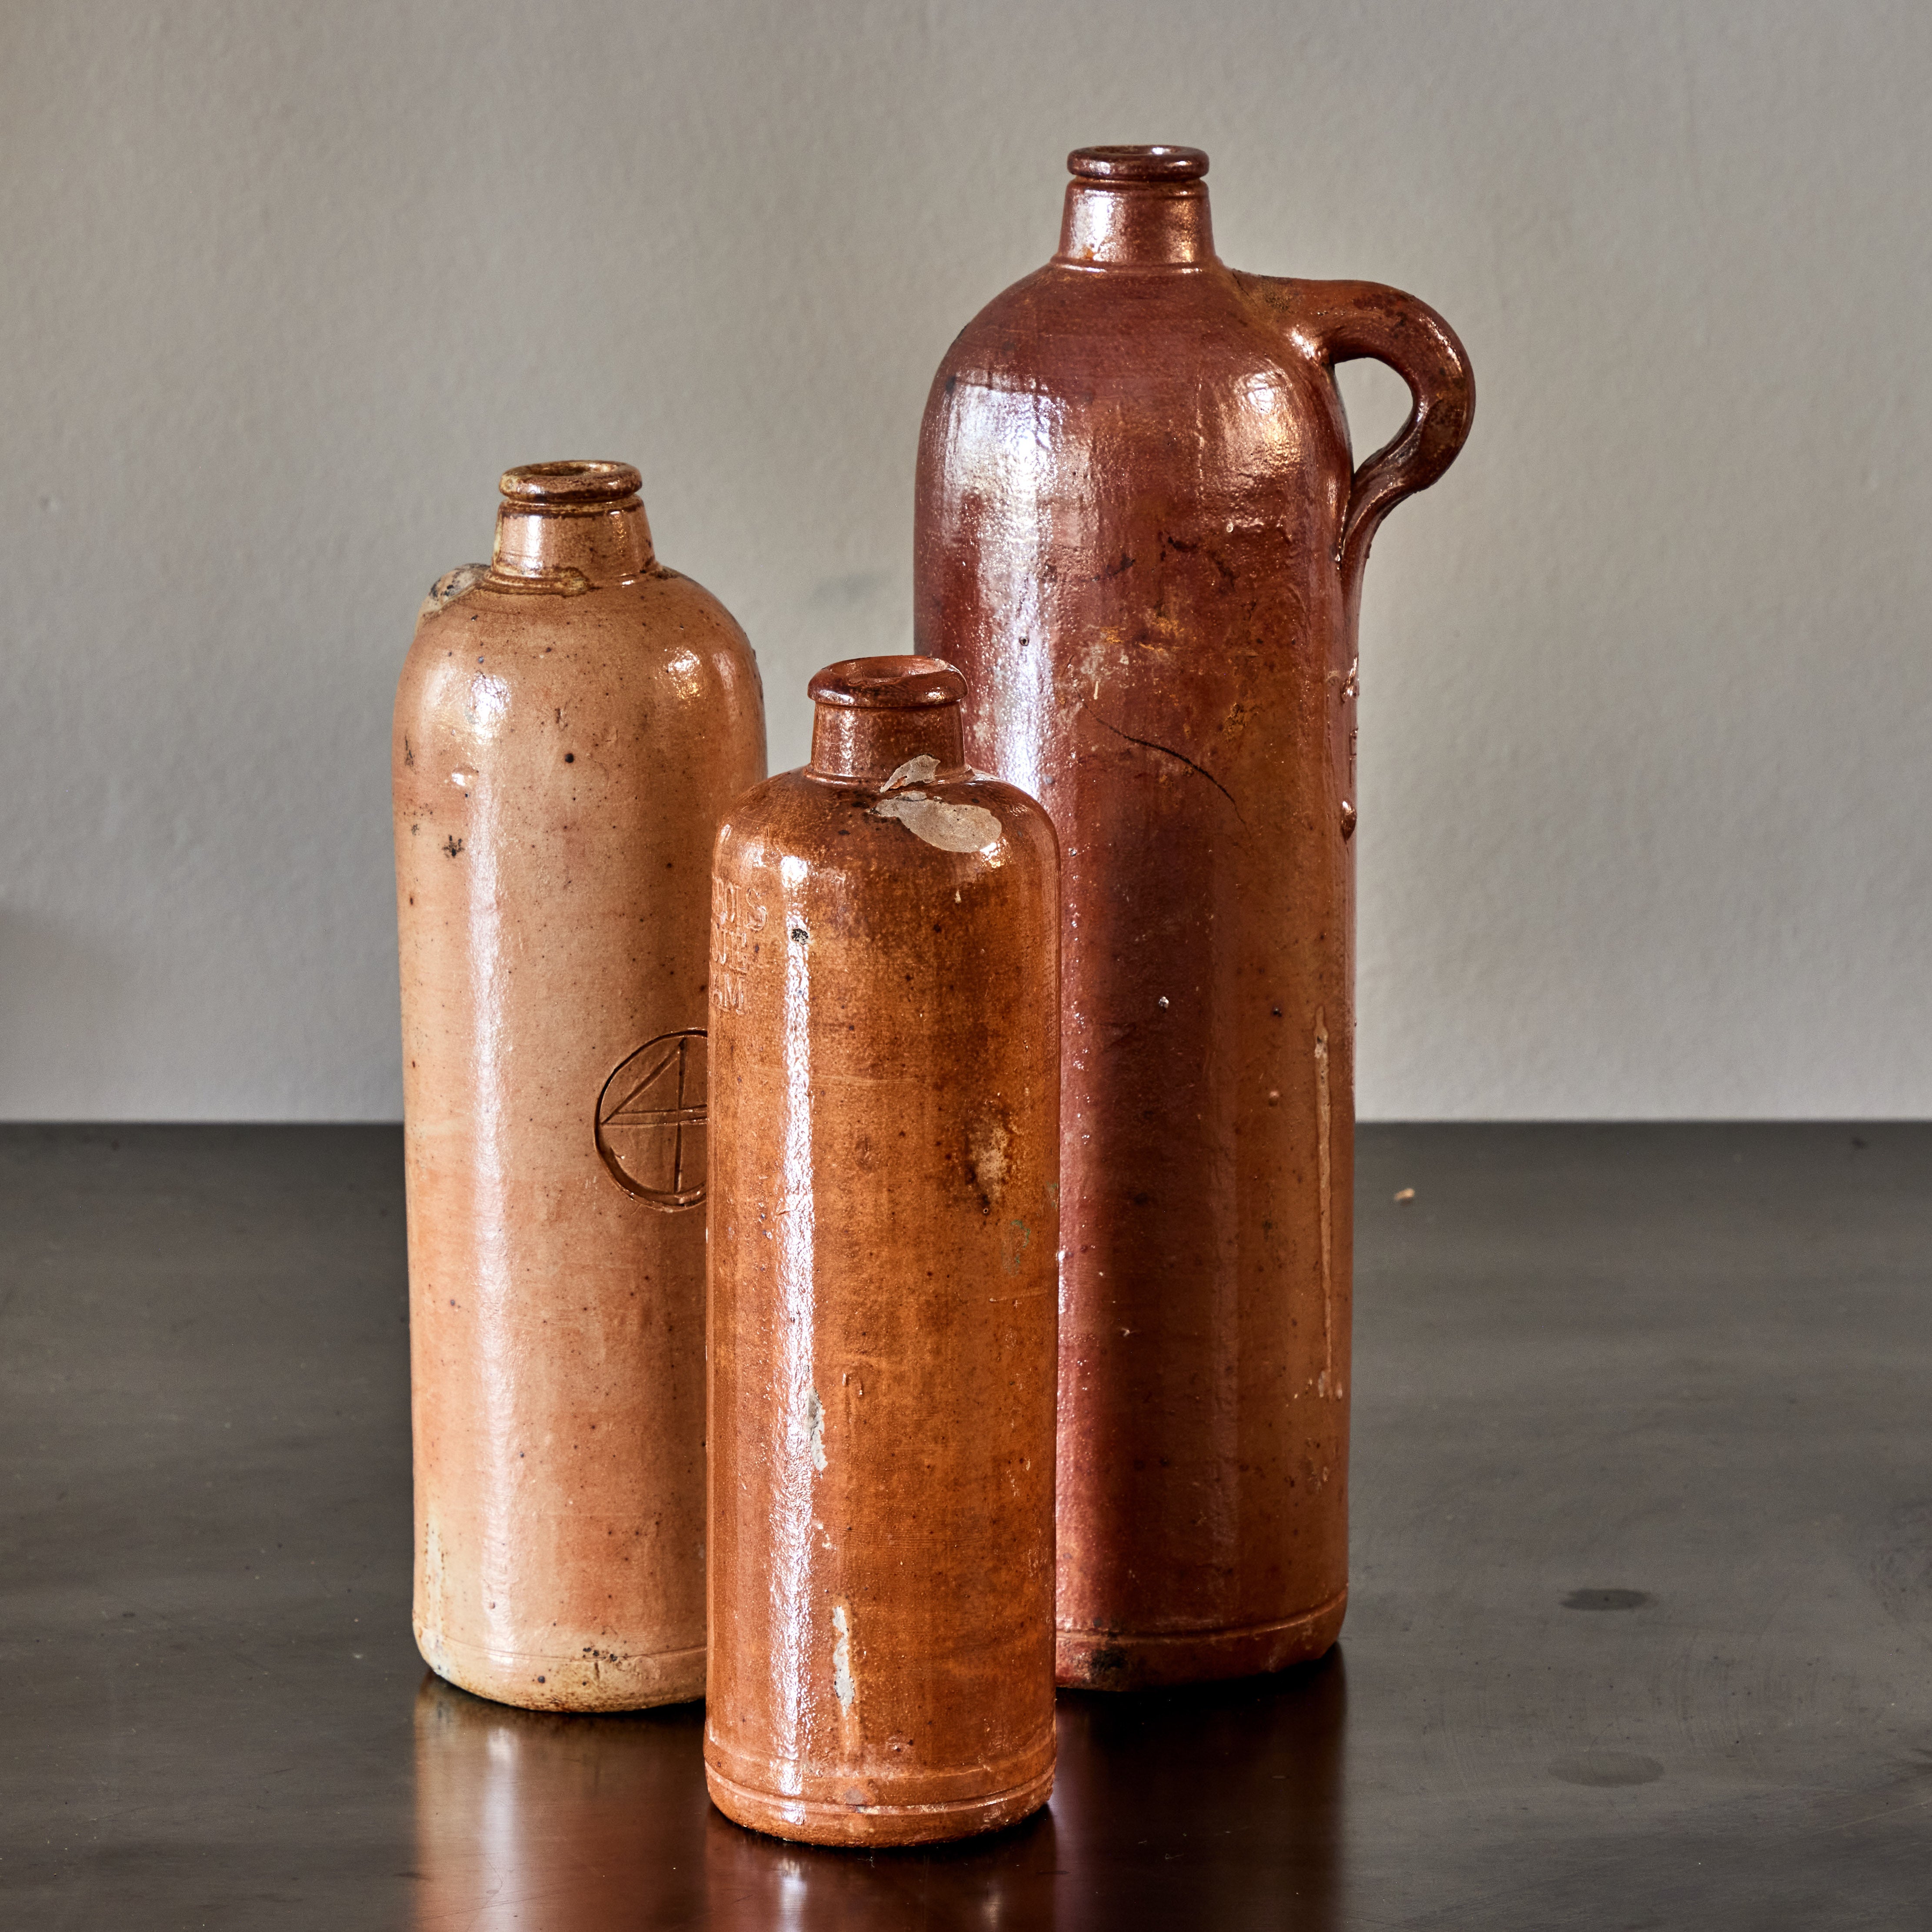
x=952 y=828
x=921 y=770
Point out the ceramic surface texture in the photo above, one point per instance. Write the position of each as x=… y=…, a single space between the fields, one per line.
x=883 y=1223
x=571 y=721
x=1140 y=535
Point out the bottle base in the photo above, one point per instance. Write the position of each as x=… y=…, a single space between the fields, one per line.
x=1095 y=1659
x=598 y=1682
x=814 y=1822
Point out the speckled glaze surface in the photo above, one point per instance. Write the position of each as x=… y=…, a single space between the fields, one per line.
x=883 y=1221
x=571 y=722
x=1139 y=534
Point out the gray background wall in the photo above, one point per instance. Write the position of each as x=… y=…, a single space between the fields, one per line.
x=1646 y=687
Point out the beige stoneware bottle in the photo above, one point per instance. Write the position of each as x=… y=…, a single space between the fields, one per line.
x=571 y=722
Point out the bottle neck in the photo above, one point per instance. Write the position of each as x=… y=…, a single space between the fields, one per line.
x=873 y=716
x=601 y=542
x=1140 y=224
x=867 y=747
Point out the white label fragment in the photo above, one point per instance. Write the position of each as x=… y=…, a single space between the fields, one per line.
x=952 y=828
x=921 y=770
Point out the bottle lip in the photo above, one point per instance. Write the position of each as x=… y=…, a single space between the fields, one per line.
x=888 y=684
x=574 y=482
x=1156 y=163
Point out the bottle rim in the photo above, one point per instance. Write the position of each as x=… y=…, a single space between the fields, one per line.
x=573 y=482
x=1153 y=163
x=888 y=684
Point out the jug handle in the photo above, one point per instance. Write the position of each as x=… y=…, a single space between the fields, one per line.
x=1343 y=322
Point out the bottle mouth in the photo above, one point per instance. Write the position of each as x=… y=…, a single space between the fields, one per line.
x=888 y=684
x=594 y=484
x=1137 y=164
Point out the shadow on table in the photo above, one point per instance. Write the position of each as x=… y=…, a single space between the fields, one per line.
x=1218 y=1806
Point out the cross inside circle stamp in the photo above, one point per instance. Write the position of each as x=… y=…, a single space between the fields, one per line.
x=650 y=1120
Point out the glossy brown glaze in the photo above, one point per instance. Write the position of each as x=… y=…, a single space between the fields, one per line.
x=885 y=1095
x=1139 y=535
x=570 y=723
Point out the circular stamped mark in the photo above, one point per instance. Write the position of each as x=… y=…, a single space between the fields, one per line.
x=650 y=1120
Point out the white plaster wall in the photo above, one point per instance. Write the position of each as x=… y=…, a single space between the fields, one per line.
x=1646 y=691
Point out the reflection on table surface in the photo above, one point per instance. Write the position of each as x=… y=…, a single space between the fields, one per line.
x=1220 y=1806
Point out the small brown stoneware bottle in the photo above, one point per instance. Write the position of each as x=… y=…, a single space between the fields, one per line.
x=1140 y=534
x=570 y=724
x=883 y=1220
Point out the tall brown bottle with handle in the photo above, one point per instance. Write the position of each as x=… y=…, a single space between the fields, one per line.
x=1140 y=535
x=571 y=722
x=884 y=1160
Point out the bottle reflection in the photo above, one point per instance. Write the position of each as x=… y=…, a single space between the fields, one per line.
x=1220 y=1804
x=572 y=1823
x=1002 y=1882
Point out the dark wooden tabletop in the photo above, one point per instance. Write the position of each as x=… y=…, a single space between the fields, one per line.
x=1641 y=1633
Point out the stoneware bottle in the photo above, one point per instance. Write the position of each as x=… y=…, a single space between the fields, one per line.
x=884 y=1157
x=571 y=722
x=1140 y=535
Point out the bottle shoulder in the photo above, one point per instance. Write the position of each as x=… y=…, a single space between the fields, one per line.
x=1066 y=330
x=1094 y=384
x=656 y=639
x=967 y=825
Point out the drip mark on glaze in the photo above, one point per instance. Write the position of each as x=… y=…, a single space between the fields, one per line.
x=795 y=1531
x=430 y=1631
x=1322 y=1166
x=814 y=1429
x=986 y=1144
x=843 y=1681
